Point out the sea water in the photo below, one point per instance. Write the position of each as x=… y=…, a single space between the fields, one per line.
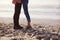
x=38 y=11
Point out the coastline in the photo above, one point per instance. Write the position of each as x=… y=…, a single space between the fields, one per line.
x=40 y=25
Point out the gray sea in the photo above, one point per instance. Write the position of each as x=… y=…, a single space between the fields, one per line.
x=35 y=11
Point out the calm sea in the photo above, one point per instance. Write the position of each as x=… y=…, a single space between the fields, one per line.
x=35 y=11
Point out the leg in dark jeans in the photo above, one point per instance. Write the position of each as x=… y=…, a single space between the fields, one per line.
x=16 y=16
x=25 y=7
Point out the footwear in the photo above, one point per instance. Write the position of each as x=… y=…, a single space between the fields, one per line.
x=28 y=27
x=18 y=27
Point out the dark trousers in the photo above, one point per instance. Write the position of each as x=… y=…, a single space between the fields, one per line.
x=18 y=10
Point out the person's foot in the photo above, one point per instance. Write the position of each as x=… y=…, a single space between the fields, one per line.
x=18 y=27
x=28 y=27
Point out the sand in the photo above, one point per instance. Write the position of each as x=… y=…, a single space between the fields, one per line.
x=44 y=29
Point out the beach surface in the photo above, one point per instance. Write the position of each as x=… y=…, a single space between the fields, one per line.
x=42 y=29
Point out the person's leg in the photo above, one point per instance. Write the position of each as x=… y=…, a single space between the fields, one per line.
x=16 y=15
x=25 y=7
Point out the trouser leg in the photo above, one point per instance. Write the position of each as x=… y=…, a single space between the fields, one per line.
x=25 y=7
x=16 y=14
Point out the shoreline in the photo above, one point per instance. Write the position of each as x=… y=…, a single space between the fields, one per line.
x=33 y=21
x=40 y=25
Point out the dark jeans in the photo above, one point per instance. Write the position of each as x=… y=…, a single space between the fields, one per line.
x=18 y=10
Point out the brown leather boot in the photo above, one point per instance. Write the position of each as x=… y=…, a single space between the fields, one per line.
x=28 y=26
